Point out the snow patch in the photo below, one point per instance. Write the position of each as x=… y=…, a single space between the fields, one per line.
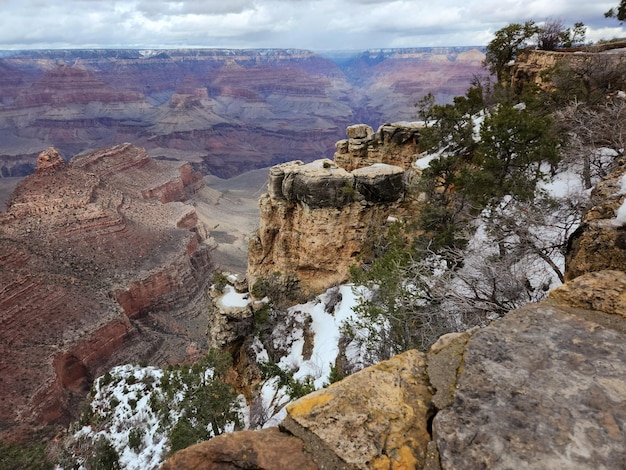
x=234 y=299
x=424 y=161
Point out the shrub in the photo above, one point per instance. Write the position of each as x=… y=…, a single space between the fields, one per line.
x=209 y=404
x=220 y=281
x=259 y=288
x=24 y=457
x=349 y=192
x=335 y=375
x=295 y=388
x=104 y=456
x=135 y=439
x=105 y=380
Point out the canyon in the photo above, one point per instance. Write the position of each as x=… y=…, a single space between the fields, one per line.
x=102 y=260
x=223 y=111
x=107 y=258
x=541 y=387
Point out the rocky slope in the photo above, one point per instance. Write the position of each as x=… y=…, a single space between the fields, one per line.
x=101 y=262
x=587 y=63
x=225 y=111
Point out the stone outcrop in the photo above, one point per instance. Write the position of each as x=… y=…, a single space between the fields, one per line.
x=542 y=387
x=376 y=418
x=320 y=218
x=603 y=291
x=394 y=144
x=268 y=449
x=317 y=219
x=536 y=67
x=101 y=262
x=600 y=241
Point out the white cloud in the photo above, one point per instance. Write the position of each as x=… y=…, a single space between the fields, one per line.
x=309 y=24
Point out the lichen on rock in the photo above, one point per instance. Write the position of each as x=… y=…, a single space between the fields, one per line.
x=376 y=418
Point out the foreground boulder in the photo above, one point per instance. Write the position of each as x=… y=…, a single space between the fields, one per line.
x=268 y=449
x=540 y=388
x=376 y=418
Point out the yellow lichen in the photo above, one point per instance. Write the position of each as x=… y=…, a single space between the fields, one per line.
x=306 y=404
x=403 y=459
x=406 y=459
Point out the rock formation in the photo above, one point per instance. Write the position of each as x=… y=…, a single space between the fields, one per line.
x=101 y=262
x=536 y=67
x=376 y=418
x=263 y=450
x=317 y=219
x=542 y=387
x=600 y=241
x=395 y=144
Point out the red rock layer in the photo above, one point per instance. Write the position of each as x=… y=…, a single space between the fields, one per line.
x=100 y=263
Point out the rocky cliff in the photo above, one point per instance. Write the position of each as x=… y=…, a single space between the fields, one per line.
x=593 y=65
x=101 y=261
x=542 y=387
x=316 y=220
x=393 y=144
x=224 y=111
x=600 y=241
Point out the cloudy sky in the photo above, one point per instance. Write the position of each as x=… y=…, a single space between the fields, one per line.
x=307 y=24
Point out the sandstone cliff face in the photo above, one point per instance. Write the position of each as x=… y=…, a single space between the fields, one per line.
x=600 y=241
x=316 y=219
x=537 y=66
x=100 y=262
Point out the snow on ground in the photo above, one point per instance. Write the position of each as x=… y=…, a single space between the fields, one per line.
x=564 y=184
x=123 y=408
x=323 y=318
x=620 y=215
x=326 y=328
x=123 y=404
x=425 y=158
x=232 y=298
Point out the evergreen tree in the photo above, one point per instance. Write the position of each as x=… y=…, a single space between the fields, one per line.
x=507 y=44
x=618 y=12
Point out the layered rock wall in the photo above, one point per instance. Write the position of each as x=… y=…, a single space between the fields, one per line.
x=100 y=263
x=599 y=243
x=226 y=111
